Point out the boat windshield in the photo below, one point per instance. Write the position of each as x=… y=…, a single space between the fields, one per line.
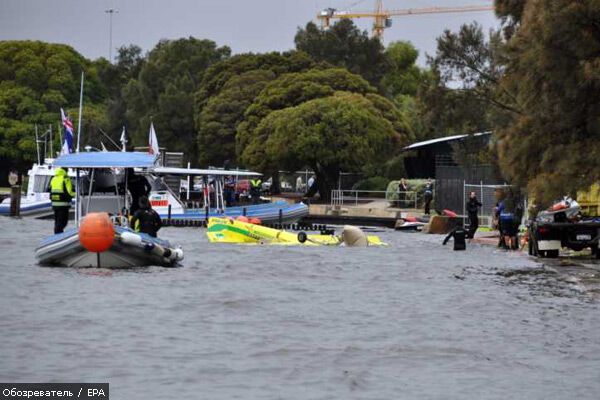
x=41 y=183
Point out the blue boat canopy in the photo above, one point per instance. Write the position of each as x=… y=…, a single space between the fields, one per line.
x=106 y=159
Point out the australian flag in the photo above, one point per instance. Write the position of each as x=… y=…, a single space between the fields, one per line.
x=67 y=146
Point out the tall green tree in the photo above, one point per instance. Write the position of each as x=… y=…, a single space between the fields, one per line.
x=228 y=88
x=36 y=80
x=553 y=66
x=402 y=82
x=128 y=64
x=290 y=90
x=342 y=132
x=344 y=45
x=510 y=13
x=462 y=92
x=287 y=97
x=164 y=90
x=403 y=76
x=218 y=120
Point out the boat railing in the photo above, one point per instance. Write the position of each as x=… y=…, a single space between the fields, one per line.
x=406 y=199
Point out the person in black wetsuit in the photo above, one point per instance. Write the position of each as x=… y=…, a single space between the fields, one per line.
x=138 y=186
x=145 y=219
x=472 y=210
x=458 y=234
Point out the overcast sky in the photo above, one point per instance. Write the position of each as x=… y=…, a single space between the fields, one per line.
x=243 y=25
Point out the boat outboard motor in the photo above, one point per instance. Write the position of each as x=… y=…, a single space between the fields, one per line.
x=354 y=236
x=459 y=235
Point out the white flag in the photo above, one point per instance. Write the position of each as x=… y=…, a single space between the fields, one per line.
x=152 y=141
x=124 y=139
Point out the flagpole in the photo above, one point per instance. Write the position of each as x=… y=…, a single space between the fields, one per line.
x=77 y=202
x=80 y=112
x=51 y=142
x=59 y=137
x=37 y=144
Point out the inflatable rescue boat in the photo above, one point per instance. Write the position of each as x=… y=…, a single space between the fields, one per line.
x=98 y=243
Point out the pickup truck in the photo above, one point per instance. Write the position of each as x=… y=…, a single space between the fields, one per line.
x=551 y=231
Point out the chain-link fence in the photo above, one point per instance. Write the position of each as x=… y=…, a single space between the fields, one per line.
x=487 y=196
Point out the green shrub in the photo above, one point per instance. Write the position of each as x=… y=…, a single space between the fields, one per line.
x=374 y=183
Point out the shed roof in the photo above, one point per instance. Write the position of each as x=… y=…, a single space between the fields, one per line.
x=443 y=139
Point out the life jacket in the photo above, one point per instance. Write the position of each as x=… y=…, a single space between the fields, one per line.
x=61 y=191
x=255 y=183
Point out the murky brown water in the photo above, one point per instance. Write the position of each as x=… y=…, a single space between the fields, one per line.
x=413 y=320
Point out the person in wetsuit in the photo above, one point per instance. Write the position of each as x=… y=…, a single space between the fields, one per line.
x=472 y=210
x=145 y=219
x=138 y=186
x=458 y=234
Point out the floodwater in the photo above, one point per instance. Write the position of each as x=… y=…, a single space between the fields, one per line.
x=414 y=320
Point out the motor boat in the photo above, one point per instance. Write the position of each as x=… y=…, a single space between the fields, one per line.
x=170 y=206
x=36 y=201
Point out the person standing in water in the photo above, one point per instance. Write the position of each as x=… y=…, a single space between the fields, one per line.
x=472 y=210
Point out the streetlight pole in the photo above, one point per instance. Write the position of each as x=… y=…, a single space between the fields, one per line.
x=110 y=13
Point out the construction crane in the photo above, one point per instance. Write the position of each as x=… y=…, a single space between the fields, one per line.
x=383 y=18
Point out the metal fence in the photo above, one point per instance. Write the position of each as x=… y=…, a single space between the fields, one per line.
x=486 y=194
x=355 y=197
x=450 y=181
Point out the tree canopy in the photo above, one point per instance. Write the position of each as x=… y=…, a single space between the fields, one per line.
x=554 y=68
x=342 y=132
x=115 y=77
x=36 y=80
x=228 y=88
x=403 y=76
x=293 y=97
x=461 y=94
x=163 y=92
x=344 y=45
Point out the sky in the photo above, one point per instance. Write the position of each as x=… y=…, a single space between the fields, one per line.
x=243 y=25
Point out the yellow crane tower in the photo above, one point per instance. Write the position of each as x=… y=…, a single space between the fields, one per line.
x=383 y=18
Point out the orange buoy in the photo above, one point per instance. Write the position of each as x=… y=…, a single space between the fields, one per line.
x=241 y=218
x=96 y=232
x=255 y=221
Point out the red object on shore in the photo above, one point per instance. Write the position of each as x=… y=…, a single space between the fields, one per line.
x=449 y=213
x=411 y=218
x=255 y=221
x=96 y=232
